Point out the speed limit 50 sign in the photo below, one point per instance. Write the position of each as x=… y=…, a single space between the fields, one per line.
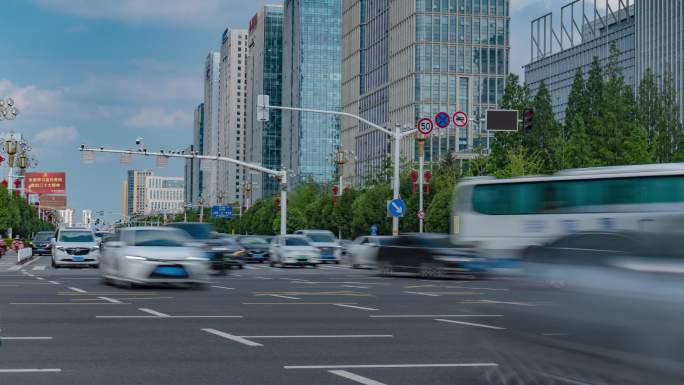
x=425 y=126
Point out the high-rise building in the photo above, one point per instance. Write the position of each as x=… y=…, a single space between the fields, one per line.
x=556 y=64
x=66 y=217
x=135 y=193
x=87 y=218
x=264 y=77
x=164 y=195
x=210 y=169
x=311 y=79
x=405 y=61
x=199 y=148
x=232 y=110
x=124 y=201
x=660 y=42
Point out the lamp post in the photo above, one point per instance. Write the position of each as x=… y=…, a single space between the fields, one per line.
x=421 y=179
x=7 y=109
x=23 y=165
x=280 y=174
x=397 y=135
x=10 y=146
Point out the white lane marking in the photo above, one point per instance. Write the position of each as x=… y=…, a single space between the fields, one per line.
x=469 y=365
x=433 y=315
x=263 y=278
x=77 y=289
x=231 y=337
x=61 y=303
x=419 y=293
x=355 y=377
x=41 y=267
x=15 y=267
x=327 y=336
x=31 y=262
x=40 y=278
x=563 y=379
x=283 y=296
x=554 y=334
x=112 y=300
x=54 y=282
x=29 y=370
x=24 y=338
x=501 y=302
x=250 y=267
x=30 y=275
x=225 y=288
x=356 y=307
x=171 y=316
x=153 y=312
x=470 y=324
x=358 y=287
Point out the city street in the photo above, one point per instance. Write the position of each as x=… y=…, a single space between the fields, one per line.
x=262 y=325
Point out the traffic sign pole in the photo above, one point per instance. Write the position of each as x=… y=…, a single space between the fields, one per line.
x=421 y=178
x=397 y=143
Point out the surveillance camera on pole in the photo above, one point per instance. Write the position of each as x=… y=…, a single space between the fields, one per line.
x=263 y=102
x=139 y=142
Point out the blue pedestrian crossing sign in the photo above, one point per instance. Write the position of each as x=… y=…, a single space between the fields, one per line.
x=396 y=208
x=374 y=230
x=222 y=211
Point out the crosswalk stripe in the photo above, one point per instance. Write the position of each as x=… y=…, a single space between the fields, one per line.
x=42 y=267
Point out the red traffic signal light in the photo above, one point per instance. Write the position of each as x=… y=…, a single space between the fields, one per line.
x=528 y=119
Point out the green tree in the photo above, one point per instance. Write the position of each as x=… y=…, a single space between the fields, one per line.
x=668 y=133
x=577 y=146
x=544 y=137
x=649 y=106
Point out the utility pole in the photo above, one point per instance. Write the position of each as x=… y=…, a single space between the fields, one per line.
x=397 y=135
x=421 y=178
x=280 y=174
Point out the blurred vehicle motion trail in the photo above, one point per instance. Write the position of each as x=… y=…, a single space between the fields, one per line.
x=601 y=251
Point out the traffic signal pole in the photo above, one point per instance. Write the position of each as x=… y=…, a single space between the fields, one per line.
x=280 y=174
x=397 y=135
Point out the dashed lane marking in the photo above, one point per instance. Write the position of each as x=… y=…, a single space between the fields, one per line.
x=112 y=300
x=470 y=324
x=41 y=267
x=223 y=287
x=434 y=315
x=355 y=377
x=465 y=365
x=282 y=296
x=30 y=370
x=153 y=312
x=231 y=337
x=77 y=289
x=24 y=338
x=420 y=293
x=358 y=307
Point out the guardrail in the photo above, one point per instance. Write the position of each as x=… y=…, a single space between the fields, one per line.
x=24 y=254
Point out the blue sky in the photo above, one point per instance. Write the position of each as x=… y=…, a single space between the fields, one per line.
x=103 y=72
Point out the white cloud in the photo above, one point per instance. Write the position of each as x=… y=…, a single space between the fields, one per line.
x=193 y=12
x=154 y=117
x=30 y=98
x=55 y=136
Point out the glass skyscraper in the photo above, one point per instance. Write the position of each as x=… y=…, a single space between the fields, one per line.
x=431 y=56
x=311 y=79
x=264 y=77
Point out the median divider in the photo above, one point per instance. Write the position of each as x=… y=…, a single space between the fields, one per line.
x=24 y=255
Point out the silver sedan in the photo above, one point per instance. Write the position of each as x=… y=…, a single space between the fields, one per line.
x=153 y=255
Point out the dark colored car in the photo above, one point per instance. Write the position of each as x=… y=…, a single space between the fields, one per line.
x=40 y=244
x=602 y=308
x=429 y=255
x=256 y=247
x=224 y=253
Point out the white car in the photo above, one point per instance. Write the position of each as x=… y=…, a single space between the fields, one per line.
x=75 y=247
x=326 y=242
x=153 y=255
x=293 y=250
x=363 y=252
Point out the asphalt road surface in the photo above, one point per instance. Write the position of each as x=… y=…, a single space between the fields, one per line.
x=262 y=325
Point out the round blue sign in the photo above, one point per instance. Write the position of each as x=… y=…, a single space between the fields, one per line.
x=442 y=120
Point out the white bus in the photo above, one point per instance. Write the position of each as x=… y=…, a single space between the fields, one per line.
x=503 y=216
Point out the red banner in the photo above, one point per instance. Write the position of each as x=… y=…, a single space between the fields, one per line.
x=53 y=202
x=45 y=182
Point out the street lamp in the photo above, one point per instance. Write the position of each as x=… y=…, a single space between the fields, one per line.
x=11 y=145
x=397 y=135
x=7 y=109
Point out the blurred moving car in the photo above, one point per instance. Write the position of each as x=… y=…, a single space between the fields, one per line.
x=326 y=242
x=75 y=247
x=101 y=235
x=430 y=256
x=40 y=244
x=363 y=252
x=610 y=308
x=256 y=248
x=223 y=251
x=293 y=250
x=153 y=255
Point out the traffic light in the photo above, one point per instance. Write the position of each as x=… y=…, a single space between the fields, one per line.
x=528 y=119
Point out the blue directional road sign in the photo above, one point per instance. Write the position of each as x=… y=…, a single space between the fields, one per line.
x=222 y=211
x=189 y=205
x=374 y=230
x=396 y=208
